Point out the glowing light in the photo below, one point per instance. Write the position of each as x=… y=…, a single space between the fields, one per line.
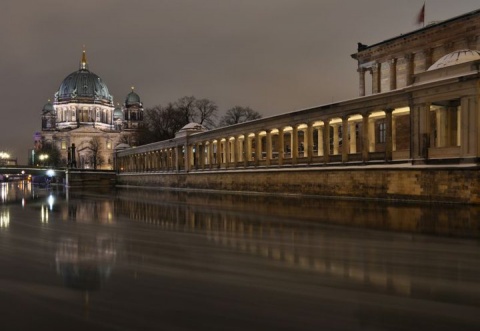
x=4 y=192
x=4 y=219
x=50 y=173
x=51 y=201
x=44 y=214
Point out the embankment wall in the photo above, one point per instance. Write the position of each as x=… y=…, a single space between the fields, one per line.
x=433 y=184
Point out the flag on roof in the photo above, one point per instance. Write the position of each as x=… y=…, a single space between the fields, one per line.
x=421 y=15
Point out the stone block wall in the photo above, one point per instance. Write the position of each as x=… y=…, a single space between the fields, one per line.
x=453 y=185
x=88 y=179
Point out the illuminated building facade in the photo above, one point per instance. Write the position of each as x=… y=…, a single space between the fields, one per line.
x=423 y=109
x=83 y=115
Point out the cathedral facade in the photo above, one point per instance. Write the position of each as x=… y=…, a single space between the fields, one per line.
x=83 y=124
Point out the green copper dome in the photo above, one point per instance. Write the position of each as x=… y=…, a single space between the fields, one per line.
x=132 y=99
x=118 y=113
x=83 y=86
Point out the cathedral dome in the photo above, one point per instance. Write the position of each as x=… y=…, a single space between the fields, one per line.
x=83 y=86
x=118 y=113
x=132 y=99
x=48 y=108
x=457 y=57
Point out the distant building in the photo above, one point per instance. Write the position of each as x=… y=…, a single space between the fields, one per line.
x=83 y=116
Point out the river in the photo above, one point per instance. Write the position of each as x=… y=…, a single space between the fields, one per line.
x=139 y=259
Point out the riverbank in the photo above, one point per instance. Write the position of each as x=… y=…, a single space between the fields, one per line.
x=405 y=182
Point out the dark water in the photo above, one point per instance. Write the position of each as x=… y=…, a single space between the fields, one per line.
x=152 y=260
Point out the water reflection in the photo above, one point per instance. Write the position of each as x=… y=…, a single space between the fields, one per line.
x=447 y=220
x=298 y=233
x=137 y=259
x=4 y=218
x=85 y=263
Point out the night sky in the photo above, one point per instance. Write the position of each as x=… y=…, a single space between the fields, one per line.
x=275 y=56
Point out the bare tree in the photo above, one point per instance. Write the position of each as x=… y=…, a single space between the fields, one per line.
x=94 y=146
x=186 y=105
x=239 y=114
x=206 y=112
x=160 y=123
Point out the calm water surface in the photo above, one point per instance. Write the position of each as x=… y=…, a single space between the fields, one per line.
x=153 y=260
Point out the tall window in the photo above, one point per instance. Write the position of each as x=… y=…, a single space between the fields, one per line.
x=382 y=132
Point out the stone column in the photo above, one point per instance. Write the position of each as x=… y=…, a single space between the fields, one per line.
x=235 y=151
x=177 y=158
x=258 y=149
x=201 y=154
x=326 y=141
x=393 y=74
x=209 y=154
x=248 y=149
x=281 y=146
x=365 y=137
x=394 y=134
x=376 y=73
x=441 y=119
x=409 y=68
x=188 y=155
x=371 y=135
x=218 y=153
x=294 y=144
x=240 y=150
x=345 y=142
x=361 y=76
x=388 y=135
x=268 y=147
x=309 y=144
x=227 y=152
x=320 y=141
x=353 y=137
x=336 y=142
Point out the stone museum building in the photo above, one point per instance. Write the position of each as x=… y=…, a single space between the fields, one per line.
x=83 y=123
x=418 y=106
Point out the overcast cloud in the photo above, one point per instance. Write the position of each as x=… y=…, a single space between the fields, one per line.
x=275 y=56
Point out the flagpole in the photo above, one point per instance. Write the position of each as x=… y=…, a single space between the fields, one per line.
x=424 y=12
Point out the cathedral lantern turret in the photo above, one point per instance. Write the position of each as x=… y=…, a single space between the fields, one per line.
x=133 y=110
x=48 y=117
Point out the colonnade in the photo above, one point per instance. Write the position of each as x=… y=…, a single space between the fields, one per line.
x=352 y=138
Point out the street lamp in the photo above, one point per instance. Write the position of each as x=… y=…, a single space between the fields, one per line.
x=4 y=157
x=43 y=158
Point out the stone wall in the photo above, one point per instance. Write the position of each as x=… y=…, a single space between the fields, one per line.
x=446 y=184
x=90 y=178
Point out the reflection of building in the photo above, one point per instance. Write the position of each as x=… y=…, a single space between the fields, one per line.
x=327 y=237
x=83 y=114
x=85 y=263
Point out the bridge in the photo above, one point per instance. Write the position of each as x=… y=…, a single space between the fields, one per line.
x=19 y=172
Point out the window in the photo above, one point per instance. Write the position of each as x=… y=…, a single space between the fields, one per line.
x=382 y=132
